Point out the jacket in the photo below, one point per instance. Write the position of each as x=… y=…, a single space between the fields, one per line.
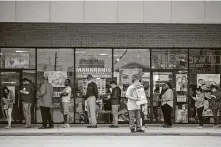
x=45 y=95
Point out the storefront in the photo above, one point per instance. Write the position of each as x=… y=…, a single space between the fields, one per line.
x=185 y=69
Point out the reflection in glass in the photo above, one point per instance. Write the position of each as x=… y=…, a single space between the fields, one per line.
x=98 y=63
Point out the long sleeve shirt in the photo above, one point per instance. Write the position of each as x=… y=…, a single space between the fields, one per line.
x=92 y=90
x=45 y=94
x=215 y=102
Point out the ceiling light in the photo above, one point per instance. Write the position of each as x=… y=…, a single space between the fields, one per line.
x=21 y=51
x=103 y=54
x=80 y=52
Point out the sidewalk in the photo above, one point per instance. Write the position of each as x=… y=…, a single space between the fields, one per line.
x=103 y=130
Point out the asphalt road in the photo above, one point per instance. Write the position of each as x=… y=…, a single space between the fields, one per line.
x=109 y=141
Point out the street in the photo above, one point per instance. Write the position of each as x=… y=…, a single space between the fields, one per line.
x=110 y=141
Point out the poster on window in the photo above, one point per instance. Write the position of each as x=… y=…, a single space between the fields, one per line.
x=16 y=60
x=56 y=78
x=126 y=75
x=206 y=80
x=181 y=82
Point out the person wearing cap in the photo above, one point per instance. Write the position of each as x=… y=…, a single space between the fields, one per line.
x=27 y=97
x=45 y=96
x=91 y=96
x=215 y=104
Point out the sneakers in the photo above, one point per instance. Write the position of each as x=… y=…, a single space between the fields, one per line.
x=65 y=126
x=26 y=126
x=113 y=126
x=140 y=131
x=200 y=127
x=92 y=126
x=215 y=126
x=8 y=127
x=132 y=130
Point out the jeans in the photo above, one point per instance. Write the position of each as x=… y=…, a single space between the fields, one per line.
x=199 y=112
x=27 y=112
x=135 y=114
x=46 y=116
x=115 y=114
x=91 y=110
x=167 y=114
x=216 y=118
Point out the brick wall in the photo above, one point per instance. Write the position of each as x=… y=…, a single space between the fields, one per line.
x=109 y=35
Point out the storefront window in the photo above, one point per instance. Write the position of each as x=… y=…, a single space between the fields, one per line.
x=169 y=58
x=204 y=71
x=58 y=65
x=17 y=58
x=127 y=64
x=98 y=63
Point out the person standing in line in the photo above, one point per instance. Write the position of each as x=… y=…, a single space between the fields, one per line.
x=91 y=96
x=27 y=97
x=215 y=104
x=45 y=96
x=115 y=103
x=65 y=102
x=133 y=108
x=7 y=104
x=199 y=104
x=167 y=104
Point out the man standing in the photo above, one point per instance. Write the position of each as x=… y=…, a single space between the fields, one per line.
x=133 y=108
x=91 y=96
x=115 y=103
x=65 y=102
x=45 y=96
x=27 y=97
x=215 y=104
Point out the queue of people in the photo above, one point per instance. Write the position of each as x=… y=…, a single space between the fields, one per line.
x=45 y=96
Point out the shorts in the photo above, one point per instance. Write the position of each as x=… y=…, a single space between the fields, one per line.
x=7 y=106
x=65 y=108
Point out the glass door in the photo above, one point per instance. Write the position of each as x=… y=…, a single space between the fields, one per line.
x=159 y=78
x=11 y=80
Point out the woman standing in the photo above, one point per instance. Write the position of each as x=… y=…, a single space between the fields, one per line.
x=199 y=104
x=7 y=104
x=167 y=104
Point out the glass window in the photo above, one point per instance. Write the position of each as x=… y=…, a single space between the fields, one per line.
x=204 y=71
x=169 y=58
x=127 y=64
x=58 y=65
x=17 y=58
x=98 y=63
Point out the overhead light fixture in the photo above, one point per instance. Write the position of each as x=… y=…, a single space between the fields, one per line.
x=103 y=54
x=21 y=51
x=80 y=52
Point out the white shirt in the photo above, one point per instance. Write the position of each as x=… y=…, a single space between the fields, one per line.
x=131 y=104
x=66 y=98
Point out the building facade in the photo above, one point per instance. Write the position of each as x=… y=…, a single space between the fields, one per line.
x=112 y=41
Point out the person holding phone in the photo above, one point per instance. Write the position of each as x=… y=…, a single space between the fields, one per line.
x=215 y=104
x=7 y=104
x=199 y=104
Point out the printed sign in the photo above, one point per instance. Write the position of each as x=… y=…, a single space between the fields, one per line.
x=16 y=60
x=95 y=72
x=56 y=78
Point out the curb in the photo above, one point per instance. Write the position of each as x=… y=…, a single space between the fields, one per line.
x=111 y=134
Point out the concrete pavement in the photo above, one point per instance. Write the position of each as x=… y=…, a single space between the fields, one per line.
x=110 y=141
x=103 y=130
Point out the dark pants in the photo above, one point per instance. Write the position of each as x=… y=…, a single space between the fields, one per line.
x=46 y=116
x=199 y=112
x=167 y=114
x=216 y=118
